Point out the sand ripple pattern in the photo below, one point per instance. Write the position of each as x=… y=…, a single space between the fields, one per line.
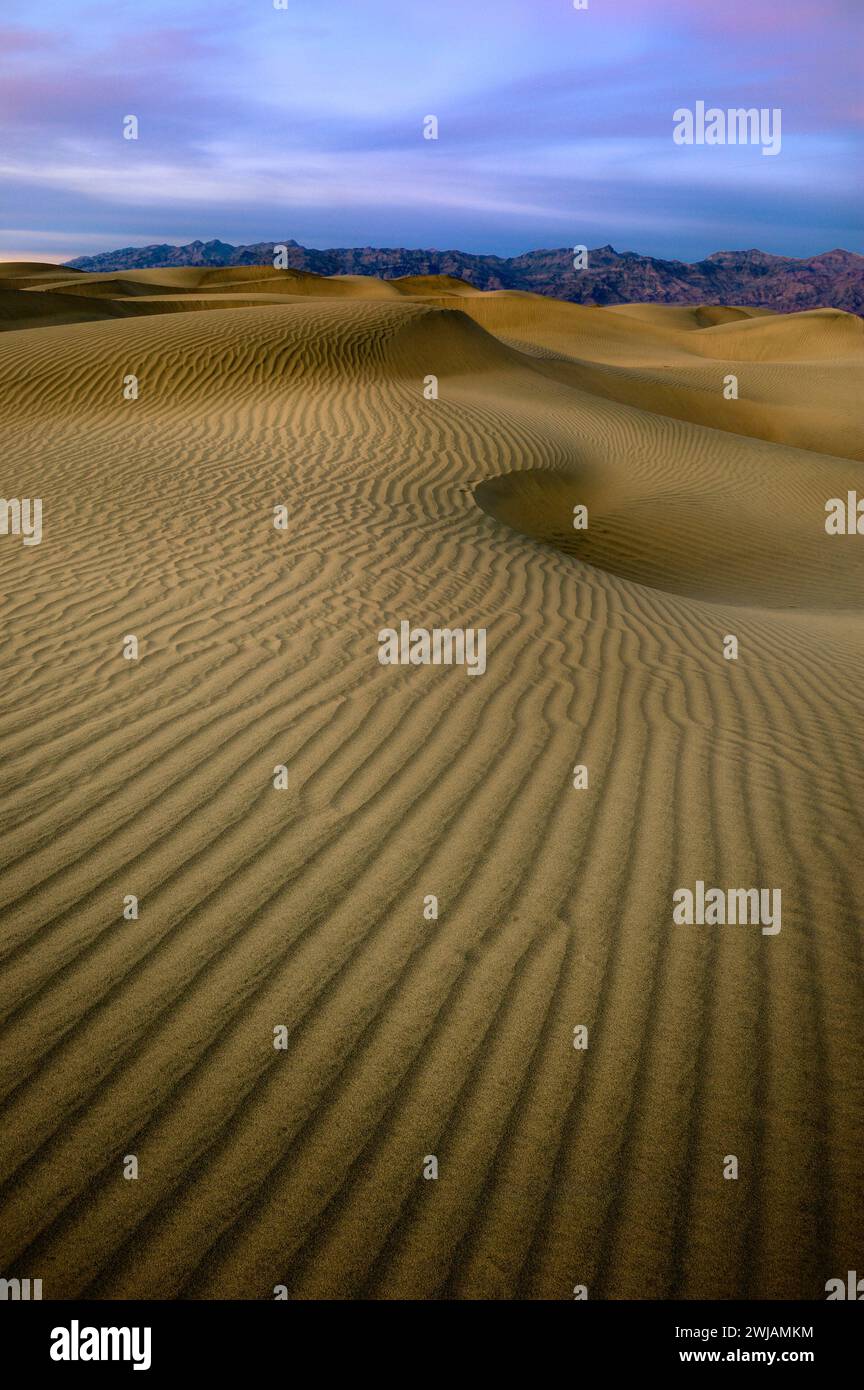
x=304 y=907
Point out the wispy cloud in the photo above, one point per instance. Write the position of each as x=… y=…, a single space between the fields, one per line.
x=307 y=122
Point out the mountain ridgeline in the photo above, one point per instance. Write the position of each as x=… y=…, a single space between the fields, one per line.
x=833 y=280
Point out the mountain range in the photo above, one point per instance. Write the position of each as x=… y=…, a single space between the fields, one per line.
x=834 y=279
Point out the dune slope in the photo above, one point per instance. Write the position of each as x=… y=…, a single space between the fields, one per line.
x=258 y=909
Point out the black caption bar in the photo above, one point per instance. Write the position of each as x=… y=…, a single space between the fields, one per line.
x=152 y=1340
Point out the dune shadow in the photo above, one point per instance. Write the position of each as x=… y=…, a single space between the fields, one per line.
x=750 y=546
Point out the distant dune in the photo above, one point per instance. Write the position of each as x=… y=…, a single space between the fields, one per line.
x=304 y=908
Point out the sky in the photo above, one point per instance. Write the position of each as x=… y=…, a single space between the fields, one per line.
x=554 y=124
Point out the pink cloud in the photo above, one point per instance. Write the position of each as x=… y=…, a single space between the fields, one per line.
x=26 y=41
x=738 y=17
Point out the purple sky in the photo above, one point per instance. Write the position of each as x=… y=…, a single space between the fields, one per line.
x=555 y=125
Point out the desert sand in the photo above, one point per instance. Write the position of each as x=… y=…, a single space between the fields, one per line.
x=303 y=908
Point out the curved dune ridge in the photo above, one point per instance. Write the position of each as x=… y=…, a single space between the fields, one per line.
x=304 y=908
x=705 y=534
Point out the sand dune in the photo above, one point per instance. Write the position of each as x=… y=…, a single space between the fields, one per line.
x=305 y=907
